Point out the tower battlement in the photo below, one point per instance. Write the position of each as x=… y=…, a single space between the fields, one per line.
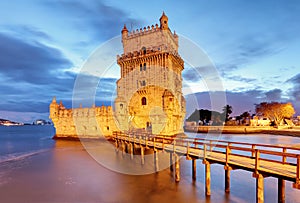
x=147 y=30
x=154 y=37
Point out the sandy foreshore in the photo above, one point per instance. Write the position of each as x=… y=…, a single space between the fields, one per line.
x=295 y=131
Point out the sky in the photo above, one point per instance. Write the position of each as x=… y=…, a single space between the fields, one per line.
x=253 y=46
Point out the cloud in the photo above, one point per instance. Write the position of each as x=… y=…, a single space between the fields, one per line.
x=241 y=79
x=26 y=32
x=295 y=90
x=33 y=62
x=94 y=18
x=196 y=74
x=90 y=89
x=32 y=73
x=274 y=95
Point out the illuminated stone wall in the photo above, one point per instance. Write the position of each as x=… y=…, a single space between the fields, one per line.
x=82 y=122
x=149 y=92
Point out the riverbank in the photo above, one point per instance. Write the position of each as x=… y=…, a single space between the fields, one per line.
x=295 y=131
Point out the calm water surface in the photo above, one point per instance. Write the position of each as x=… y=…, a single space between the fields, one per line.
x=35 y=168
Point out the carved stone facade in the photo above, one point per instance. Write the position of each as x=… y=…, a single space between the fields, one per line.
x=149 y=92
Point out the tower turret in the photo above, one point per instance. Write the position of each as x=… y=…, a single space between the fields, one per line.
x=164 y=22
x=124 y=32
x=53 y=109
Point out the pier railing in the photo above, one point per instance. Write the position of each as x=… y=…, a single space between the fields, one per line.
x=264 y=160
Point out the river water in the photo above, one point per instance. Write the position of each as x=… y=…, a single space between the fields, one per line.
x=35 y=168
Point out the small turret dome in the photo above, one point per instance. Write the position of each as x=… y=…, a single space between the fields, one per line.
x=124 y=30
x=164 y=21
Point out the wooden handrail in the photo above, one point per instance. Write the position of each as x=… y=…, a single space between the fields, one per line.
x=219 y=146
x=298 y=169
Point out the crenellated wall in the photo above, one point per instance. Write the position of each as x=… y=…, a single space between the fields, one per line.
x=82 y=122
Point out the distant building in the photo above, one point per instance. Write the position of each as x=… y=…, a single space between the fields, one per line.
x=41 y=122
x=9 y=123
x=259 y=121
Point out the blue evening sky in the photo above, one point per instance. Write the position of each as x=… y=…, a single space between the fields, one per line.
x=255 y=46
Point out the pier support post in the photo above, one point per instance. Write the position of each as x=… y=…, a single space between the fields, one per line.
x=259 y=188
x=171 y=162
x=281 y=190
x=227 y=179
x=142 y=155
x=194 y=169
x=131 y=150
x=156 y=160
x=123 y=148
x=116 y=146
x=207 y=177
x=177 y=168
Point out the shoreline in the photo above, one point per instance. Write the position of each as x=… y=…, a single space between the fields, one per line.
x=243 y=130
x=236 y=130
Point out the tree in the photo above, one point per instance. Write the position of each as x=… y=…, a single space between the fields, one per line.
x=275 y=111
x=244 y=116
x=227 y=110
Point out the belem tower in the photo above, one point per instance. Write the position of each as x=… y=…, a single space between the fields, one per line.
x=149 y=91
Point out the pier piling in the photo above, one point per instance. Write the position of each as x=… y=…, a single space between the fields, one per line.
x=259 y=188
x=142 y=155
x=177 y=168
x=194 y=169
x=227 y=179
x=207 y=178
x=156 y=161
x=171 y=162
x=281 y=190
x=131 y=150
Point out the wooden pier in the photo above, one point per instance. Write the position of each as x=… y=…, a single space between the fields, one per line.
x=281 y=162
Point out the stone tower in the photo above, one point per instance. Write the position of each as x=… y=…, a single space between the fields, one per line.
x=149 y=92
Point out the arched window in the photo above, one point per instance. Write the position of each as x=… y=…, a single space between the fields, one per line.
x=144 y=101
x=144 y=50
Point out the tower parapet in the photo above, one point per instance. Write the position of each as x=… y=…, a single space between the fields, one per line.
x=150 y=37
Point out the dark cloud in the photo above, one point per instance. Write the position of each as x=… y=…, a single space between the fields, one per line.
x=32 y=73
x=196 y=74
x=295 y=90
x=274 y=95
x=95 y=18
x=33 y=63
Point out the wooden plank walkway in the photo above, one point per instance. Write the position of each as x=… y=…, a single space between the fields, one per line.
x=282 y=162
